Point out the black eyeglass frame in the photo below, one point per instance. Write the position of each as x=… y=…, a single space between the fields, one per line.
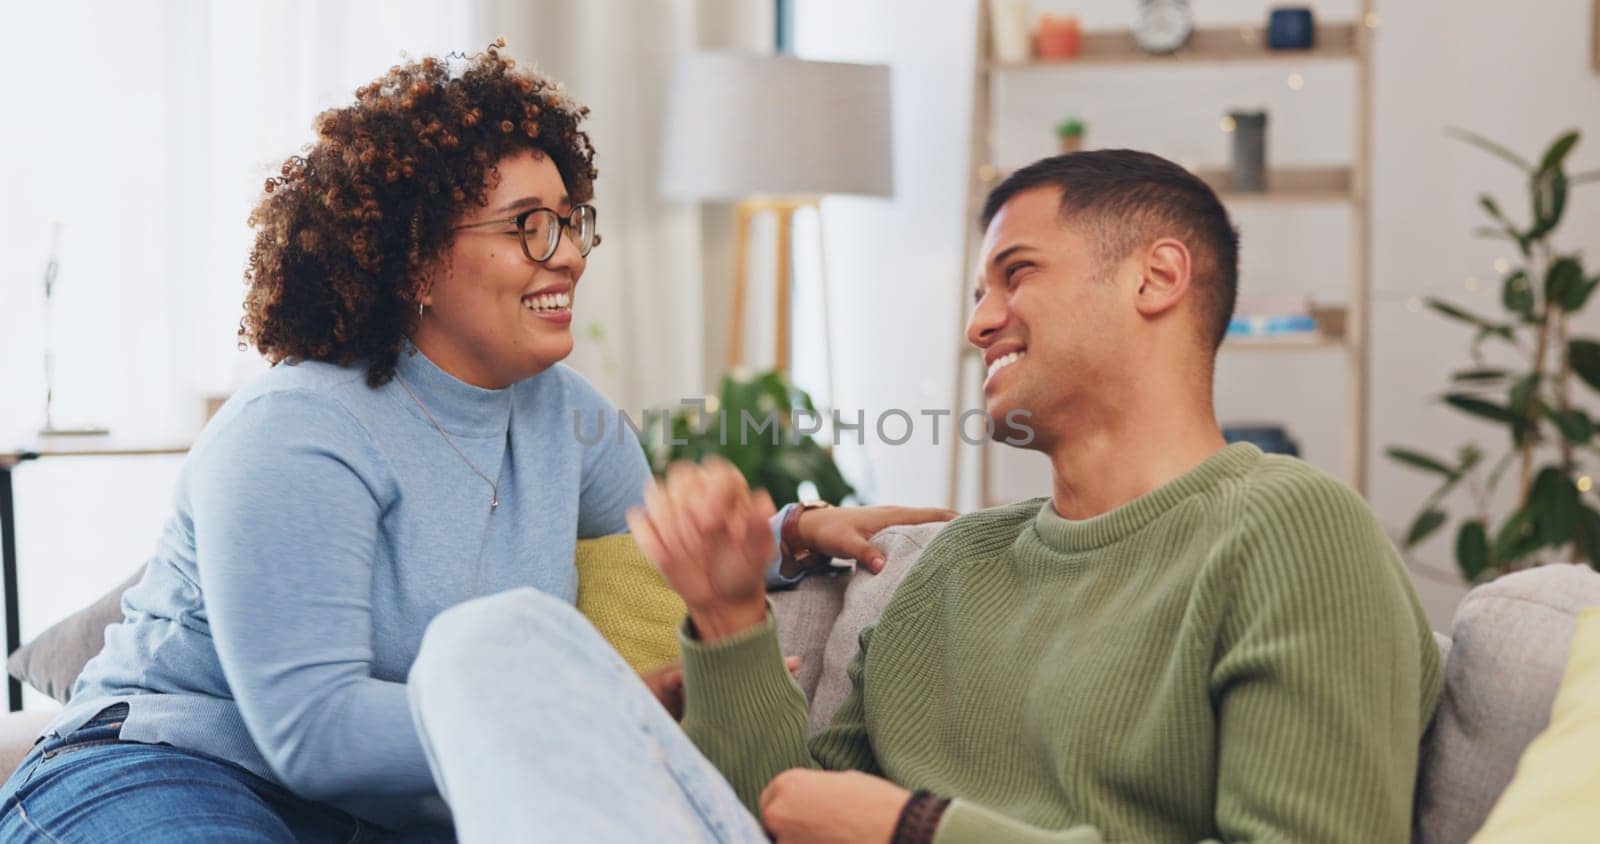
x=563 y=223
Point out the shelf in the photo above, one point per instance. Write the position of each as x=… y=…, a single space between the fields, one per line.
x=1335 y=42
x=1284 y=184
x=1288 y=184
x=1330 y=334
x=1290 y=343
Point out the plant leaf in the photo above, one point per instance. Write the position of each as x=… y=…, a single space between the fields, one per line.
x=1472 y=549
x=1557 y=153
x=1517 y=295
x=1575 y=425
x=1492 y=208
x=1479 y=376
x=1418 y=460
x=1578 y=295
x=1555 y=497
x=1549 y=194
x=1490 y=147
x=1459 y=314
x=1478 y=407
x=1584 y=356
x=1516 y=539
x=1500 y=234
x=1426 y=523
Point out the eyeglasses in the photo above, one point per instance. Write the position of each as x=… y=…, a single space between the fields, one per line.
x=540 y=230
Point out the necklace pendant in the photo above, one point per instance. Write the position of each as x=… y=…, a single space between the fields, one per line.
x=494 y=504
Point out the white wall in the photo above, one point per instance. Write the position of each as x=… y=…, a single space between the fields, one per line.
x=1518 y=72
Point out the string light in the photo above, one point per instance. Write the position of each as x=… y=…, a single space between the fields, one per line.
x=1372 y=20
x=1414 y=304
x=1472 y=284
x=1502 y=266
x=1296 y=82
x=1227 y=124
x=1585 y=484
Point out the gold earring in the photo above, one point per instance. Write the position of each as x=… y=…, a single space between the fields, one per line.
x=420 y=306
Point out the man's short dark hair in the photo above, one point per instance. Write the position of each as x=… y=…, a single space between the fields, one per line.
x=1125 y=199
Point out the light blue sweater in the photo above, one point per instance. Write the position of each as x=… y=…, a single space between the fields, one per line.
x=318 y=526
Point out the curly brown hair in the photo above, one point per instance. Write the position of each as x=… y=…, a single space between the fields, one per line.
x=348 y=233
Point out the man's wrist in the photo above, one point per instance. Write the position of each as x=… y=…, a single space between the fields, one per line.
x=713 y=626
x=919 y=819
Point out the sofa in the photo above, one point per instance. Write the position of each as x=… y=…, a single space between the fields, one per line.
x=1503 y=661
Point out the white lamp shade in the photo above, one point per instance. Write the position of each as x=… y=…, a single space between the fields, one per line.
x=740 y=125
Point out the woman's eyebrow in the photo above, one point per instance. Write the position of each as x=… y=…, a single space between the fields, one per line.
x=530 y=200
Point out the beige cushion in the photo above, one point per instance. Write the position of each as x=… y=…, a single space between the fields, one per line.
x=1508 y=650
x=18 y=731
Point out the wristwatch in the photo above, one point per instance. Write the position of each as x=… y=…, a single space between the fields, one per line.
x=789 y=545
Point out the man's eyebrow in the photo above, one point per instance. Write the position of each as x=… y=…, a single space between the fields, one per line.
x=531 y=201
x=1007 y=252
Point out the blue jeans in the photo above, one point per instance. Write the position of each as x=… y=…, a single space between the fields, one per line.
x=90 y=786
x=536 y=730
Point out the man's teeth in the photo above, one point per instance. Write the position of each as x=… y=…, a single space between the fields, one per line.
x=1004 y=361
x=548 y=302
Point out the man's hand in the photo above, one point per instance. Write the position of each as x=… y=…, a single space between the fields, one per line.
x=711 y=538
x=846 y=532
x=819 y=807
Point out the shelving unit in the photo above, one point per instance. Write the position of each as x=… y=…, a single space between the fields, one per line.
x=1346 y=42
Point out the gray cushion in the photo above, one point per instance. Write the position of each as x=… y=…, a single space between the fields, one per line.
x=1508 y=649
x=864 y=599
x=805 y=614
x=52 y=662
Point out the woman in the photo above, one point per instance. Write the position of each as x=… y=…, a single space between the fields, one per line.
x=413 y=277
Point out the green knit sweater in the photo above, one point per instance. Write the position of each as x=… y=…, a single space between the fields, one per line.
x=1237 y=655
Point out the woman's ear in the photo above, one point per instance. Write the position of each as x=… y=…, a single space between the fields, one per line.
x=1165 y=276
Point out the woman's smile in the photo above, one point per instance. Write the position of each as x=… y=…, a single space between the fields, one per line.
x=553 y=304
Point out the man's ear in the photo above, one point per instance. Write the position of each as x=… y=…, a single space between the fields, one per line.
x=1165 y=276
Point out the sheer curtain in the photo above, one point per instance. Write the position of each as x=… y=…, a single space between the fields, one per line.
x=146 y=131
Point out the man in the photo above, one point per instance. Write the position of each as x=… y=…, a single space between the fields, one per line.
x=1185 y=640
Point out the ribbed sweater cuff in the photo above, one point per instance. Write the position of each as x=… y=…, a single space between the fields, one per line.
x=741 y=679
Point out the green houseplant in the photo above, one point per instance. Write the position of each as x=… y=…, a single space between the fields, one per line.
x=751 y=423
x=1550 y=437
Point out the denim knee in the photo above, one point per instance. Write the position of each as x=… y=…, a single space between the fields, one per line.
x=520 y=629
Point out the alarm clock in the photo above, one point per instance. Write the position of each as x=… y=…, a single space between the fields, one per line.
x=1163 y=25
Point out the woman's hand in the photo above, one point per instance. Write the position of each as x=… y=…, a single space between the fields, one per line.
x=711 y=538
x=846 y=532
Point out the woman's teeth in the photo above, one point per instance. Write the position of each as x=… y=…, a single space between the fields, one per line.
x=1004 y=361
x=548 y=302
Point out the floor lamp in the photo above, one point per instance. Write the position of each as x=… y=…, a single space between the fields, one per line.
x=774 y=134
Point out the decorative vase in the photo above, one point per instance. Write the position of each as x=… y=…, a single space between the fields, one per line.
x=1291 y=28
x=1008 y=32
x=1057 y=37
x=1249 y=171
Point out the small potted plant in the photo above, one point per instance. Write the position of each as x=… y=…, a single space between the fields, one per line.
x=1070 y=133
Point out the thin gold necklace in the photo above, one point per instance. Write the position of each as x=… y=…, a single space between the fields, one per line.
x=494 y=486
